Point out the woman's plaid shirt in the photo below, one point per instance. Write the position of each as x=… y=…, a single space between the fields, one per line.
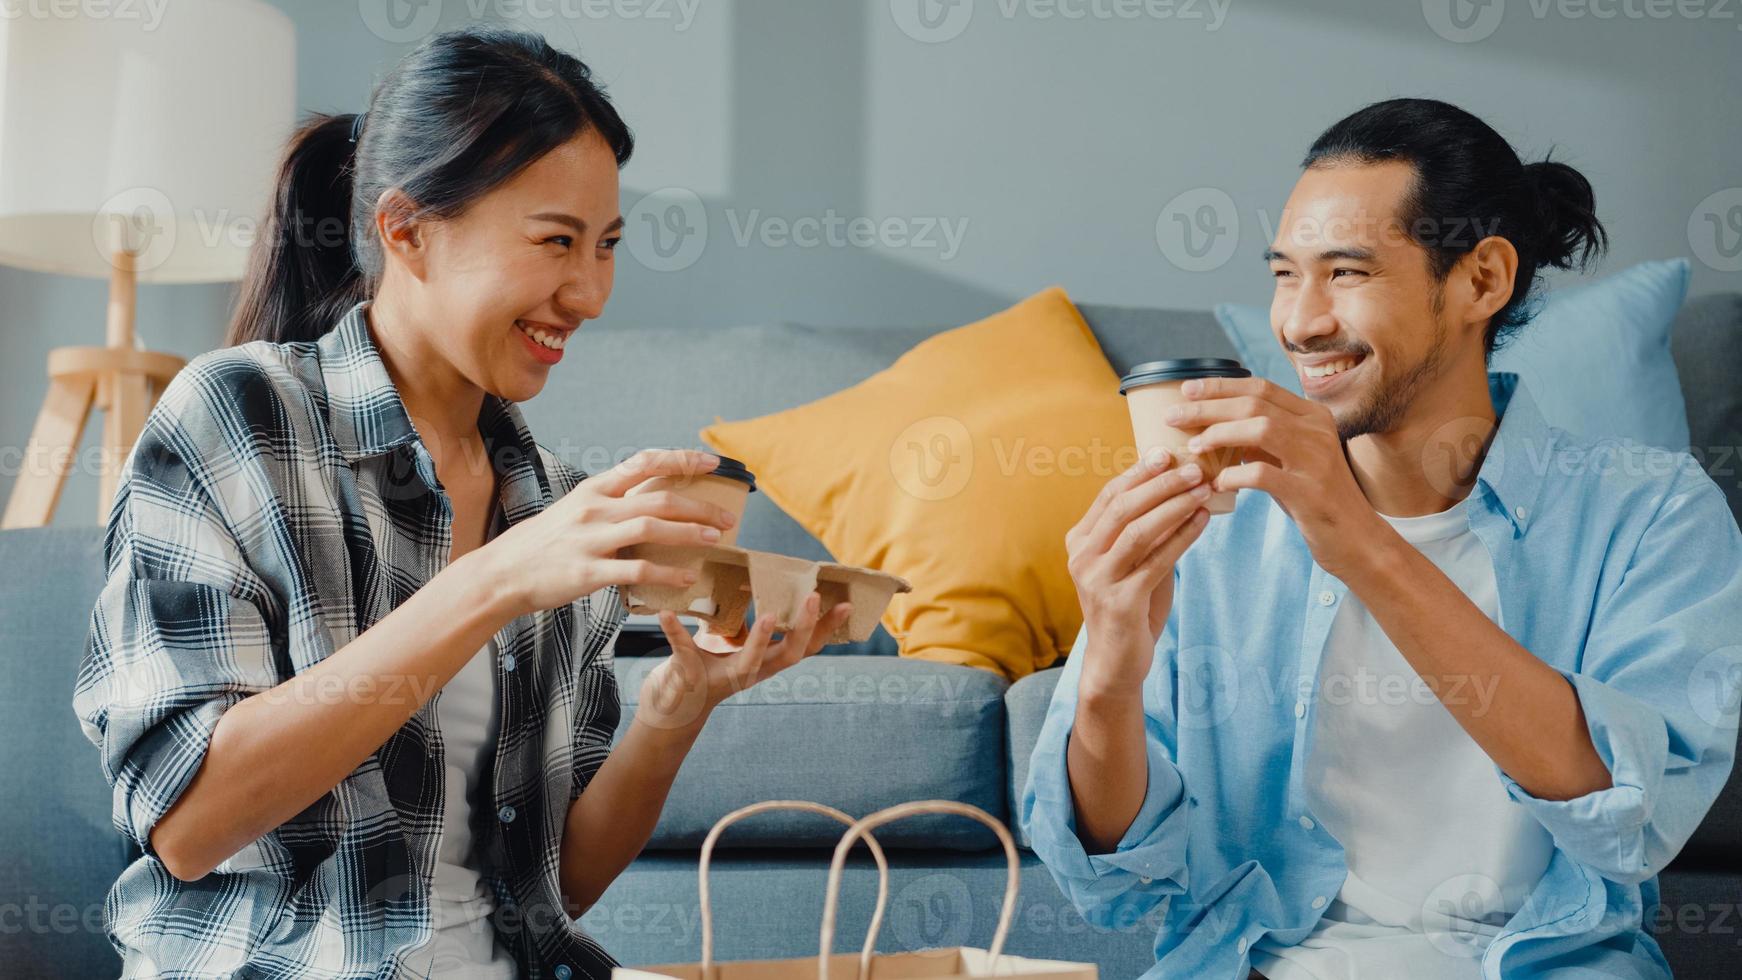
x=279 y=503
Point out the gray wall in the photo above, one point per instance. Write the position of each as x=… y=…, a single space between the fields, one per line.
x=1135 y=154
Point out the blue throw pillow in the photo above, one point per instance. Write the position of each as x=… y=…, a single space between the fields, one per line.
x=1596 y=357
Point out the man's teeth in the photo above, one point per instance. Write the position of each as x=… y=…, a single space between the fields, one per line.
x=554 y=341
x=1326 y=370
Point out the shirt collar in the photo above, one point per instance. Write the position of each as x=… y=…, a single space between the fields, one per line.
x=367 y=417
x=1510 y=469
x=364 y=412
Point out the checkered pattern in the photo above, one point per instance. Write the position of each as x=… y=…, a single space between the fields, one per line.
x=278 y=504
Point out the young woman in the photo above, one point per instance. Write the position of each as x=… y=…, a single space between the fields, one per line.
x=351 y=672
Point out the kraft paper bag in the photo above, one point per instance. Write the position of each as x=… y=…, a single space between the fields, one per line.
x=945 y=964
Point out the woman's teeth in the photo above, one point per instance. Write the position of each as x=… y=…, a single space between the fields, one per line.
x=1326 y=370
x=554 y=341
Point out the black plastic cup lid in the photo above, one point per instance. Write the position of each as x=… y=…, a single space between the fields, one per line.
x=1150 y=372
x=732 y=469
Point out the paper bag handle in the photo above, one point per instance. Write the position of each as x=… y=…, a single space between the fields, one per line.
x=863 y=829
x=817 y=808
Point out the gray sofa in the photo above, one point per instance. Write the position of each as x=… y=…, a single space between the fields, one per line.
x=858 y=729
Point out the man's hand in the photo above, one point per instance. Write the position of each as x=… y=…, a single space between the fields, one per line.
x=1122 y=555
x=704 y=670
x=1290 y=450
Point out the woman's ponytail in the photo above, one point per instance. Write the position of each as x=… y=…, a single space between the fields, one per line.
x=459 y=116
x=302 y=275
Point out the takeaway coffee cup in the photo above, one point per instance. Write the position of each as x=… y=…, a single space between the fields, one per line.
x=729 y=485
x=1151 y=388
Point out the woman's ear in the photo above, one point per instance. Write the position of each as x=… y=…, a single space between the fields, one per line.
x=401 y=233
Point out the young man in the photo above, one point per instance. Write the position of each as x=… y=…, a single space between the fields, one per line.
x=1423 y=705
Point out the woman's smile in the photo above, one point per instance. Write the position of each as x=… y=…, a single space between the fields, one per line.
x=542 y=341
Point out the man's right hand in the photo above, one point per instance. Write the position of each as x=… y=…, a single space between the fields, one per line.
x=1122 y=555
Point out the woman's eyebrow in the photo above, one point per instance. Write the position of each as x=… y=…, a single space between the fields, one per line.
x=577 y=224
x=561 y=219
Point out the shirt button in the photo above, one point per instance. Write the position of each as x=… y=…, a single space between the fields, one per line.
x=508 y=662
x=563 y=972
x=1300 y=709
x=1521 y=511
x=1241 y=947
x=506 y=814
x=1319 y=903
x=1145 y=880
x=1327 y=597
x=1306 y=822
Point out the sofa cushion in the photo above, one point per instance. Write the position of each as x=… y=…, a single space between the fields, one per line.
x=1130 y=335
x=1707 y=346
x=1025 y=705
x=62 y=850
x=1013 y=423
x=856 y=733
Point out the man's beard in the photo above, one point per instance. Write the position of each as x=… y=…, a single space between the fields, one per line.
x=1387 y=401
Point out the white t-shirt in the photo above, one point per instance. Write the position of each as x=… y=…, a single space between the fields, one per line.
x=468 y=712
x=1439 y=856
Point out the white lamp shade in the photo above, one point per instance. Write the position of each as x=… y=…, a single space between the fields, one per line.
x=158 y=130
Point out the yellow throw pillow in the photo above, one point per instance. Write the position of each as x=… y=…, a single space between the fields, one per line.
x=959 y=468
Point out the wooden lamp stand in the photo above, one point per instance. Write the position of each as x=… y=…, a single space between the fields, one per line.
x=118 y=379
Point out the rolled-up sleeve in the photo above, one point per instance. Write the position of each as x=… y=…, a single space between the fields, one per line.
x=1148 y=865
x=177 y=636
x=1658 y=685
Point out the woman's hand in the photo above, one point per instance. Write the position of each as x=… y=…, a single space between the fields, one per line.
x=705 y=670
x=570 y=550
x=1121 y=558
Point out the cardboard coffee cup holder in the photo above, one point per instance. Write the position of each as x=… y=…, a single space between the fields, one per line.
x=729 y=578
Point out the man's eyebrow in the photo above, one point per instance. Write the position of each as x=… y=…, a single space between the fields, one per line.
x=1329 y=255
x=577 y=224
x=1350 y=254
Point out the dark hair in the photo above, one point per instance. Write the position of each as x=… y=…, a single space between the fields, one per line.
x=1469 y=184
x=460 y=115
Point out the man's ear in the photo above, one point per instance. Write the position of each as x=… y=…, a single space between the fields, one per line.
x=1487 y=272
x=401 y=233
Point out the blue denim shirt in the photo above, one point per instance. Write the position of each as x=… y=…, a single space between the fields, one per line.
x=1619 y=566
